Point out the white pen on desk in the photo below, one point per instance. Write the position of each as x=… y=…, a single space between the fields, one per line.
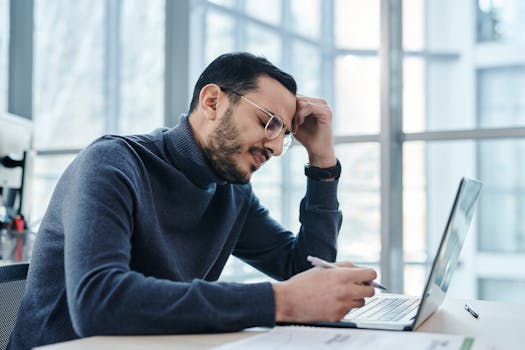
x=315 y=261
x=471 y=310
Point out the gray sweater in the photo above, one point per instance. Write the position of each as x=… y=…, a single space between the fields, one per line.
x=137 y=233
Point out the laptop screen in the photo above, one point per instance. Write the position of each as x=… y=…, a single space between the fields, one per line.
x=450 y=248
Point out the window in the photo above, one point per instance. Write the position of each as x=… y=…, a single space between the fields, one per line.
x=69 y=68
x=501 y=100
x=314 y=51
x=98 y=68
x=440 y=102
x=463 y=112
x=490 y=289
x=4 y=53
x=500 y=21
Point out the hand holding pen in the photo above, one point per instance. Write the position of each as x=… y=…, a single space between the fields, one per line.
x=318 y=262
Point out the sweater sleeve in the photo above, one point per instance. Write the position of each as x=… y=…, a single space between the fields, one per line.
x=269 y=247
x=104 y=295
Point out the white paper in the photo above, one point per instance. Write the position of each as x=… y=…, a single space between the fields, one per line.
x=306 y=338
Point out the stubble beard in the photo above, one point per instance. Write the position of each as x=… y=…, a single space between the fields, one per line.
x=221 y=149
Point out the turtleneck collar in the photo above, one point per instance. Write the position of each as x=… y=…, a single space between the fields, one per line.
x=187 y=156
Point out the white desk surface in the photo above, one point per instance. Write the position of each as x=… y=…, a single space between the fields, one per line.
x=502 y=322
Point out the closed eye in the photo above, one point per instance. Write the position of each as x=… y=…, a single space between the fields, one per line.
x=262 y=122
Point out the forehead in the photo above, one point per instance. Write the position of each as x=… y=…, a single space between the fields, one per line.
x=274 y=97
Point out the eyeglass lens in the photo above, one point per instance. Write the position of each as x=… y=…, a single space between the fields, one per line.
x=274 y=128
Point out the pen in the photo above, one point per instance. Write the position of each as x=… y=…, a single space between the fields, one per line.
x=315 y=261
x=471 y=310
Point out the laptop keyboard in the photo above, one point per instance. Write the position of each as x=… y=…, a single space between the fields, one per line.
x=384 y=309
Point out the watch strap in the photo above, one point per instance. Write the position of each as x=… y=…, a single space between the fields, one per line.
x=317 y=173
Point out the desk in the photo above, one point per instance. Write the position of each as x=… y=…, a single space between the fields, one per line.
x=501 y=322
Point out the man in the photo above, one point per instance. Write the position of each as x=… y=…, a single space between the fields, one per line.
x=139 y=228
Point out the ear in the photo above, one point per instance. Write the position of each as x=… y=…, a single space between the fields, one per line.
x=208 y=98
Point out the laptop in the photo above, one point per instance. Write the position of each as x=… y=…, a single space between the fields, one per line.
x=399 y=312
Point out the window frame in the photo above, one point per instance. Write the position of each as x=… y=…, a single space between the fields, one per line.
x=180 y=71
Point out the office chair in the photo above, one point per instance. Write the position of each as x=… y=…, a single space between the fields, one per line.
x=12 y=284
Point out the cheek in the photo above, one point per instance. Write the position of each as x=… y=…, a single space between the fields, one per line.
x=250 y=135
x=249 y=132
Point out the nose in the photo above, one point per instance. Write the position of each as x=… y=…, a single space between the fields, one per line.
x=275 y=145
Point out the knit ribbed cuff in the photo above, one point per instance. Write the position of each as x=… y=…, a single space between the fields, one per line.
x=322 y=194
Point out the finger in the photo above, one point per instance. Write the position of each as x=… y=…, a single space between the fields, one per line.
x=358 y=303
x=350 y=264
x=303 y=109
x=359 y=275
x=353 y=304
x=306 y=108
x=310 y=112
x=319 y=105
x=362 y=291
x=346 y=264
x=364 y=274
x=313 y=100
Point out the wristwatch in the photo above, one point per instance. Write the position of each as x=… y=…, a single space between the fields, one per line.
x=316 y=173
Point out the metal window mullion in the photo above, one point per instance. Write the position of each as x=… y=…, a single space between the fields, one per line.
x=239 y=11
x=433 y=55
x=197 y=35
x=286 y=37
x=287 y=184
x=467 y=134
x=20 y=85
x=356 y=138
x=428 y=87
x=327 y=77
x=112 y=63
x=176 y=60
x=391 y=63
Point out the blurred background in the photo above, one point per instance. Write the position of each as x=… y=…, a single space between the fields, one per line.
x=422 y=91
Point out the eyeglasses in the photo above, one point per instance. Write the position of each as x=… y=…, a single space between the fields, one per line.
x=274 y=126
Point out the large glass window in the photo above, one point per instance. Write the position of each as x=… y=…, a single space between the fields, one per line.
x=69 y=106
x=267 y=11
x=219 y=34
x=490 y=289
x=310 y=9
x=4 y=59
x=289 y=33
x=501 y=96
x=499 y=79
x=357 y=24
x=502 y=207
x=360 y=201
x=430 y=182
x=356 y=95
x=142 y=66
x=98 y=68
x=500 y=20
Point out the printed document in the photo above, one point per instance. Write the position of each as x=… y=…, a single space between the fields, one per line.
x=315 y=338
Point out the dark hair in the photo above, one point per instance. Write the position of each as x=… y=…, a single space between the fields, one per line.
x=239 y=72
